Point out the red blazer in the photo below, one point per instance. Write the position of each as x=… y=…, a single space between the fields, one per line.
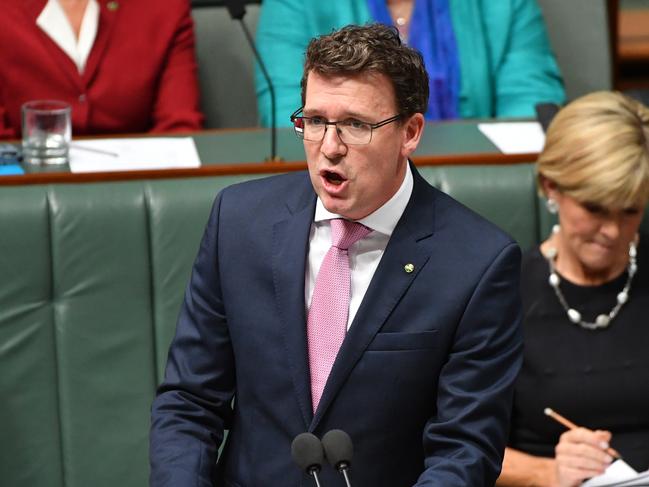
x=141 y=74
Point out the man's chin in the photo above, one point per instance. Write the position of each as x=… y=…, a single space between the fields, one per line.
x=339 y=206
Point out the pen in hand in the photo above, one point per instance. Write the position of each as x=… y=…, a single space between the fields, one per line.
x=570 y=425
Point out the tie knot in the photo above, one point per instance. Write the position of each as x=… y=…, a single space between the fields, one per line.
x=345 y=233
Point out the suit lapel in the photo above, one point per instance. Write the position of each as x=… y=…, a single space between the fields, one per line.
x=107 y=19
x=33 y=9
x=410 y=244
x=290 y=247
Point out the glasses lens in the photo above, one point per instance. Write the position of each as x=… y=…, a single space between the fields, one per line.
x=354 y=132
x=314 y=129
x=298 y=126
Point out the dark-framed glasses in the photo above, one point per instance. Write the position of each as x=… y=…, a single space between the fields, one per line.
x=351 y=131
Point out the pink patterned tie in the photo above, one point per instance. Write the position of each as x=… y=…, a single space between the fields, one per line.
x=327 y=322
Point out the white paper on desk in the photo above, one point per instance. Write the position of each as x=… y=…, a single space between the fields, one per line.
x=641 y=479
x=618 y=473
x=134 y=154
x=515 y=137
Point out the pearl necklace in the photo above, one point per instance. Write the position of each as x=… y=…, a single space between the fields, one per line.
x=602 y=320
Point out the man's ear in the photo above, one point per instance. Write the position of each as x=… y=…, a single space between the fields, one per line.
x=413 y=129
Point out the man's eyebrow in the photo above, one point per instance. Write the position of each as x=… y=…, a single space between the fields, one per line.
x=312 y=112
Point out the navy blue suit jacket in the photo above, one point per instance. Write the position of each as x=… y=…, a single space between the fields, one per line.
x=422 y=383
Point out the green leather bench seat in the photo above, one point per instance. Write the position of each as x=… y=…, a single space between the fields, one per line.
x=92 y=279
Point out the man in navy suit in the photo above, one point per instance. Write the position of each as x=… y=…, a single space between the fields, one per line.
x=422 y=375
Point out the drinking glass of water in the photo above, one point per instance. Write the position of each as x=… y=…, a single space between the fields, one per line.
x=46 y=131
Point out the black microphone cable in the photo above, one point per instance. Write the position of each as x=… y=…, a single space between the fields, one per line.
x=237 y=10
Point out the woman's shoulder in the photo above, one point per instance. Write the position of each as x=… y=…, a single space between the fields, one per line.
x=315 y=15
x=534 y=271
x=533 y=259
x=507 y=12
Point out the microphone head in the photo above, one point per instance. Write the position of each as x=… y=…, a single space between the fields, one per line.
x=338 y=448
x=307 y=452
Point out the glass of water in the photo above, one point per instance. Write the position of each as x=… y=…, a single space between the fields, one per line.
x=46 y=131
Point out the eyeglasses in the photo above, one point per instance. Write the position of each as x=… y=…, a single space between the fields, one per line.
x=351 y=132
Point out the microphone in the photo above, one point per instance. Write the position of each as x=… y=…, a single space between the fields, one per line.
x=237 y=10
x=339 y=451
x=306 y=451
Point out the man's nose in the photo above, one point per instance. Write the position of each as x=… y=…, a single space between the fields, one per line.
x=332 y=146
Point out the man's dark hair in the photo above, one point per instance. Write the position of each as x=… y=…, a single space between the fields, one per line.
x=374 y=48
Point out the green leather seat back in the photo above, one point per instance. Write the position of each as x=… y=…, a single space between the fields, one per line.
x=92 y=280
x=225 y=66
x=503 y=194
x=29 y=396
x=579 y=32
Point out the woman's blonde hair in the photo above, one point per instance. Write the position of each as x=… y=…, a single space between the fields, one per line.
x=597 y=151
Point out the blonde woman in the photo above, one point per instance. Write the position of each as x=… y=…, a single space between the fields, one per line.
x=585 y=297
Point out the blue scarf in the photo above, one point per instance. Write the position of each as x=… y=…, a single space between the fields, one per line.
x=431 y=33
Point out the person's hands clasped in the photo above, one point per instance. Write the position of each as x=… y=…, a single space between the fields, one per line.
x=581 y=454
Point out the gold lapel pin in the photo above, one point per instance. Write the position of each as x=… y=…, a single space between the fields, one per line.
x=112 y=5
x=409 y=268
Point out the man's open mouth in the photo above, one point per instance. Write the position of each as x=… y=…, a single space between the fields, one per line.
x=333 y=177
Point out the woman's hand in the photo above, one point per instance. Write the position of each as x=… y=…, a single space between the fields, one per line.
x=580 y=455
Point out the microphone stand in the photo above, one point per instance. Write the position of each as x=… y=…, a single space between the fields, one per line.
x=314 y=473
x=344 y=472
x=237 y=11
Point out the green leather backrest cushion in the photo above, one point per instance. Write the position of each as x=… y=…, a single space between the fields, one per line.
x=92 y=280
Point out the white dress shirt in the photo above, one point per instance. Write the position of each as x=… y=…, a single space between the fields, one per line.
x=53 y=21
x=364 y=255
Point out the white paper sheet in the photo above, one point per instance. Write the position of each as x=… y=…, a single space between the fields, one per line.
x=515 y=137
x=133 y=154
x=641 y=479
x=618 y=473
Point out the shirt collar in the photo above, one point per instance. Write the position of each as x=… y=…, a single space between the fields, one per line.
x=53 y=21
x=383 y=219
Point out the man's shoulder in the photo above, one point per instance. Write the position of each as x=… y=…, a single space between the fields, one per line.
x=267 y=193
x=270 y=184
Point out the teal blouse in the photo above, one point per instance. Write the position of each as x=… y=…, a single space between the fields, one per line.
x=506 y=64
